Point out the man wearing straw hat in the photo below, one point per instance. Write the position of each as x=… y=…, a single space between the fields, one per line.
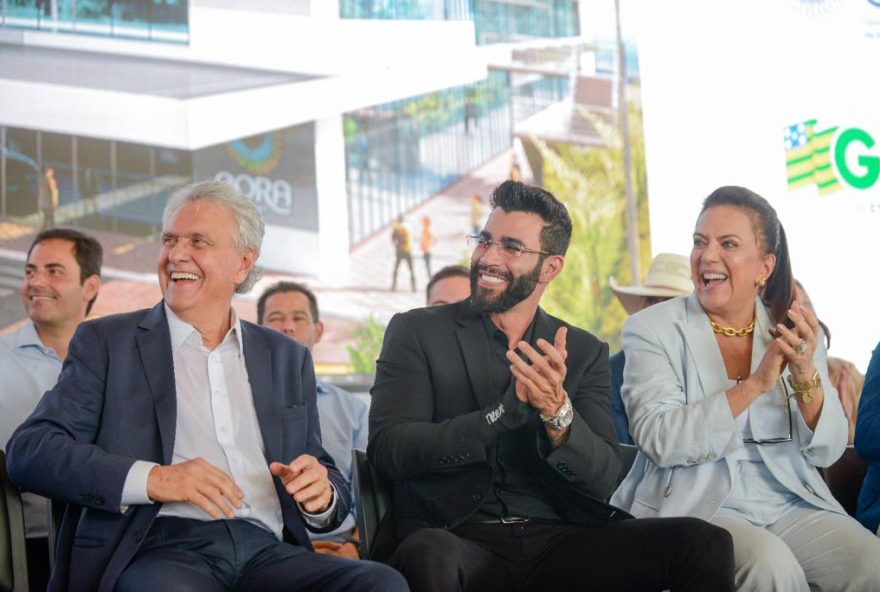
x=669 y=276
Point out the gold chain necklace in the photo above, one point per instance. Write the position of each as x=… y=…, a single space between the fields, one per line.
x=730 y=331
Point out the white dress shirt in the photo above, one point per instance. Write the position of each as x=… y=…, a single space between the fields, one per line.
x=217 y=421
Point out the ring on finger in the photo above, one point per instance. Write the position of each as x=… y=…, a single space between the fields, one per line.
x=801 y=347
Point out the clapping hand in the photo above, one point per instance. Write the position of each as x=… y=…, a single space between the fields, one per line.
x=540 y=384
x=798 y=345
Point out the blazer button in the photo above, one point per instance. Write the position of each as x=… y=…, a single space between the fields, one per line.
x=138 y=536
x=476 y=497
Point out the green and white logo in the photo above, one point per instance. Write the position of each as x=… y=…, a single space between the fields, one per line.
x=820 y=157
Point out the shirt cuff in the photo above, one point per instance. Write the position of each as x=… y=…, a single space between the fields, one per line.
x=322 y=519
x=134 y=491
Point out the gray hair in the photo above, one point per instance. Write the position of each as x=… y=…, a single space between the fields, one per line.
x=248 y=235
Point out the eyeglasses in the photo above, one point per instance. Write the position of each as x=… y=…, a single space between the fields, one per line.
x=508 y=247
x=785 y=403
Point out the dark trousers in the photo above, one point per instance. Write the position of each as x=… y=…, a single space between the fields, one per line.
x=184 y=554
x=650 y=554
x=399 y=256
x=38 y=563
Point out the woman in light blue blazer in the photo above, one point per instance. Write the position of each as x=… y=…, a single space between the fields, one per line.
x=868 y=445
x=731 y=407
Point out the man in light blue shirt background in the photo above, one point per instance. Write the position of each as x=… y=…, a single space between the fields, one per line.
x=62 y=277
x=292 y=308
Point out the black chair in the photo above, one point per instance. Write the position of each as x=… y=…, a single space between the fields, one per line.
x=627 y=458
x=373 y=500
x=844 y=479
x=13 y=547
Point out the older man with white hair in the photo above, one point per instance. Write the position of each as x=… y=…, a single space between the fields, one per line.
x=185 y=440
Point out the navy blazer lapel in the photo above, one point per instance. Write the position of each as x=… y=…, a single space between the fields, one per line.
x=258 y=361
x=475 y=351
x=154 y=346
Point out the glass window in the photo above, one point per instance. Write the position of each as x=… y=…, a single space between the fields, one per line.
x=399 y=154
x=132 y=204
x=132 y=17
x=499 y=22
x=93 y=166
x=94 y=16
x=31 y=10
x=405 y=9
x=22 y=172
x=66 y=14
x=57 y=155
x=153 y=18
x=170 y=16
x=162 y=20
x=173 y=162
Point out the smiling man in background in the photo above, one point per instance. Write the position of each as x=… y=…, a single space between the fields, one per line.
x=450 y=284
x=292 y=308
x=61 y=281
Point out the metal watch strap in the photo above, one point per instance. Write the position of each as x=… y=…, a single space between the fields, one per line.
x=563 y=416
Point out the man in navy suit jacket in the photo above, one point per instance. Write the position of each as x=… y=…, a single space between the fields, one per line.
x=186 y=442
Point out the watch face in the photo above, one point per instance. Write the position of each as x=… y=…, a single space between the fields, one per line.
x=563 y=416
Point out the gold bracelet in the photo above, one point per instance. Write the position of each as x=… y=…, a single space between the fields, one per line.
x=805 y=390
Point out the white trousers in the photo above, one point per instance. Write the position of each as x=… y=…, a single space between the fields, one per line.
x=805 y=550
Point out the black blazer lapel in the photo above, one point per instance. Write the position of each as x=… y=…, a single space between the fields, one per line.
x=154 y=346
x=258 y=361
x=545 y=328
x=475 y=352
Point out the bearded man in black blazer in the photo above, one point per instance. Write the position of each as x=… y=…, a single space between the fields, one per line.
x=493 y=420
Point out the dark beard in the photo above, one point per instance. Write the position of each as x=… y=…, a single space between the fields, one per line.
x=518 y=289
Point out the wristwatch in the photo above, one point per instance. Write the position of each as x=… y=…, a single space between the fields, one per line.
x=563 y=416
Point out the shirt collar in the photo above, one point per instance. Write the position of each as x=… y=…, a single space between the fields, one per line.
x=493 y=332
x=181 y=330
x=27 y=336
